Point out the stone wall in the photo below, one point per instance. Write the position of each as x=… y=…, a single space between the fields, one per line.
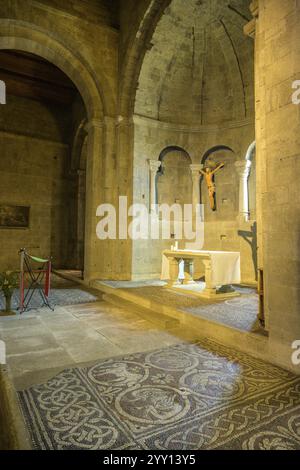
x=82 y=40
x=278 y=169
x=34 y=172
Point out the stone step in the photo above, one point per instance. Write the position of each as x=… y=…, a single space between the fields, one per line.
x=141 y=301
x=162 y=320
x=248 y=342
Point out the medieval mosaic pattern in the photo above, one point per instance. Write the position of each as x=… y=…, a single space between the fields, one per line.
x=187 y=397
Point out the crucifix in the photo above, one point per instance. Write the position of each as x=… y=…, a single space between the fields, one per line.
x=210 y=181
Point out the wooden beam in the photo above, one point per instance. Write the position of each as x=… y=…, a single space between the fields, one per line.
x=34 y=67
x=33 y=89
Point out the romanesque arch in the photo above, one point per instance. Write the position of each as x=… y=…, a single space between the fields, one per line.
x=172 y=148
x=136 y=50
x=28 y=38
x=213 y=150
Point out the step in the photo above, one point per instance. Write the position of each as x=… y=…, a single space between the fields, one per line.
x=159 y=319
x=139 y=300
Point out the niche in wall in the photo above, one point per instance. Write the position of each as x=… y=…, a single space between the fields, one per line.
x=174 y=181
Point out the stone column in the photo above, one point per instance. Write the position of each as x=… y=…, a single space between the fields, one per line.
x=210 y=290
x=174 y=272
x=195 y=170
x=92 y=252
x=109 y=160
x=123 y=253
x=243 y=169
x=189 y=271
x=154 y=166
x=255 y=30
x=80 y=218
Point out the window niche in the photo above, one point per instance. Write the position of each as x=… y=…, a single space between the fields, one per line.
x=174 y=180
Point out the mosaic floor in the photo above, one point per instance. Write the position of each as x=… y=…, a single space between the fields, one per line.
x=187 y=396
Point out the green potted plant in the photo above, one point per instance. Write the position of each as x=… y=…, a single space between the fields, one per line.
x=9 y=281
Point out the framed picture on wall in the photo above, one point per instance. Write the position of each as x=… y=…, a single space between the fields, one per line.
x=13 y=216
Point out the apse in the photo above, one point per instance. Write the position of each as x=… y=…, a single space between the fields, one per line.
x=196 y=92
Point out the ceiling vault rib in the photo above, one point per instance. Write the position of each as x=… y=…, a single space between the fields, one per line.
x=238 y=63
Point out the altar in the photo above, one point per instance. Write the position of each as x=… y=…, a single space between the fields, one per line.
x=222 y=268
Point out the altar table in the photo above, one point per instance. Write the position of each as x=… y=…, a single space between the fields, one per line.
x=222 y=268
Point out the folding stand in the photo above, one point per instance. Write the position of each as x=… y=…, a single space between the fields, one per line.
x=36 y=276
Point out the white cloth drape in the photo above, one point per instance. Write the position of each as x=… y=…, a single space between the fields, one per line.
x=225 y=266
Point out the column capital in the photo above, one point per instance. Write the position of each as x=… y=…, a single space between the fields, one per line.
x=195 y=169
x=254 y=8
x=94 y=123
x=250 y=28
x=124 y=121
x=154 y=165
x=110 y=120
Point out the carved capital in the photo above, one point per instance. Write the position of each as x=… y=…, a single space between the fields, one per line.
x=123 y=121
x=254 y=8
x=154 y=165
x=94 y=124
x=250 y=28
x=110 y=121
x=195 y=170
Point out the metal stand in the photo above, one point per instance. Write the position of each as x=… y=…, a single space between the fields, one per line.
x=37 y=277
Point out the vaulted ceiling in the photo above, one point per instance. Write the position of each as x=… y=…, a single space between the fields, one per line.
x=95 y=11
x=199 y=68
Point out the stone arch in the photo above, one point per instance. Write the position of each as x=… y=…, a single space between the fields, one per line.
x=169 y=149
x=251 y=152
x=78 y=142
x=28 y=38
x=178 y=169
x=136 y=50
x=22 y=36
x=215 y=149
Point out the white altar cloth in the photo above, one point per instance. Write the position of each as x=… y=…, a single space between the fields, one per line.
x=225 y=265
